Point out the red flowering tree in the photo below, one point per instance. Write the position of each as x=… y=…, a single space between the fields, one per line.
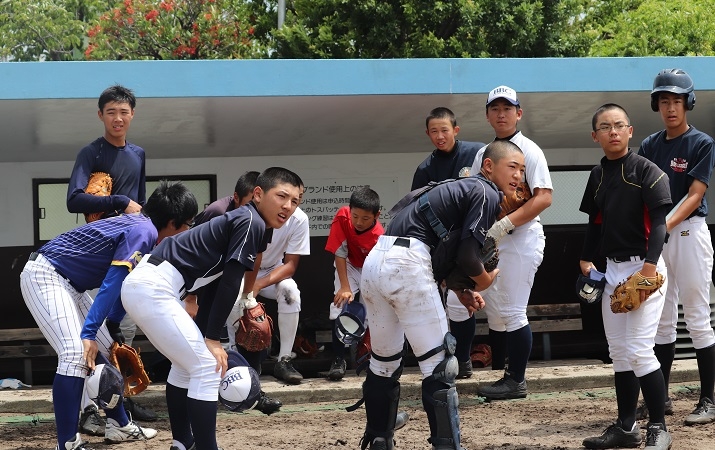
x=172 y=29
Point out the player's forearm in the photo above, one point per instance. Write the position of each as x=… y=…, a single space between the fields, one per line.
x=533 y=207
x=691 y=203
x=590 y=241
x=226 y=293
x=79 y=202
x=656 y=238
x=104 y=302
x=341 y=267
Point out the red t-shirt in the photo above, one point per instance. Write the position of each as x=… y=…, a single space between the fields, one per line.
x=359 y=244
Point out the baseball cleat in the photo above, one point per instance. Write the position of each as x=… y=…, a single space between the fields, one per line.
x=401 y=419
x=75 y=444
x=657 y=438
x=704 y=412
x=337 y=369
x=284 y=370
x=642 y=410
x=90 y=422
x=615 y=437
x=113 y=433
x=138 y=411
x=465 y=369
x=506 y=388
x=268 y=405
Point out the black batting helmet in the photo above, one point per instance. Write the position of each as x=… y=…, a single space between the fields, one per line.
x=676 y=81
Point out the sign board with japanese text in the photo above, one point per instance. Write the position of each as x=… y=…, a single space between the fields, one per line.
x=323 y=197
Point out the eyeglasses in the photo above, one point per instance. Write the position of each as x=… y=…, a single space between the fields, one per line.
x=619 y=127
x=189 y=224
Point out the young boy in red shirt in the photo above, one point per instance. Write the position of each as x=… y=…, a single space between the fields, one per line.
x=353 y=234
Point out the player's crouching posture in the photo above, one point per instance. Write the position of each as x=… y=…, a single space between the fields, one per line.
x=54 y=284
x=224 y=247
x=402 y=296
x=627 y=198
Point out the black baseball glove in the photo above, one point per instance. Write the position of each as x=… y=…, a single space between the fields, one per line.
x=490 y=254
x=457 y=280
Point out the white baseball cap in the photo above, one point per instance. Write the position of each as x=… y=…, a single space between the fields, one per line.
x=504 y=92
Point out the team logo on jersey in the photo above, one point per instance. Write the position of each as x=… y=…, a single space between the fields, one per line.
x=685 y=233
x=679 y=164
x=483 y=231
x=136 y=257
x=252 y=258
x=465 y=172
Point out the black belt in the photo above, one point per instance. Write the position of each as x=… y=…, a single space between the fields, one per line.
x=402 y=242
x=33 y=257
x=155 y=260
x=620 y=259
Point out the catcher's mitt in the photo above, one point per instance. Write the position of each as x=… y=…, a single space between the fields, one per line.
x=511 y=203
x=490 y=254
x=303 y=347
x=626 y=296
x=127 y=360
x=457 y=280
x=253 y=329
x=99 y=184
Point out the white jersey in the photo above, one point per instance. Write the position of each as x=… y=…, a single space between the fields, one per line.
x=537 y=169
x=292 y=238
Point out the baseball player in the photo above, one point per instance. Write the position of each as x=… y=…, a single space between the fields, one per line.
x=242 y=194
x=686 y=155
x=627 y=198
x=521 y=250
x=451 y=159
x=353 y=233
x=403 y=300
x=125 y=163
x=54 y=284
x=223 y=248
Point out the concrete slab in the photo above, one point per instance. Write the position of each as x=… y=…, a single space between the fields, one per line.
x=541 y=376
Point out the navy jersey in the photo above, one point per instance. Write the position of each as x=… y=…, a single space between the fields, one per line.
x=441 y=165
x=126 y=166
x=619 y=194
x=85 y=254
x=201 y=253
x=217 y=208
x=471 y=204
x=687 y=157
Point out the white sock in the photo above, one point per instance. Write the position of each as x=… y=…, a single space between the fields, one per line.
x=288 y=326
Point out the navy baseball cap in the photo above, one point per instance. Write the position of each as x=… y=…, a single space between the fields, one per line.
x=504 y=92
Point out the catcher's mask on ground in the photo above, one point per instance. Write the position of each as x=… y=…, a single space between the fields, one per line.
x=350 y=324
x=240 y=388
x=105 y=386
x=589 y=290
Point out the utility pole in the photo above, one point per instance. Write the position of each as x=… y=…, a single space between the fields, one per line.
x=281 y=12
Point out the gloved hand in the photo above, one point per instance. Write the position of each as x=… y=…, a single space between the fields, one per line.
x=114 y=331
x=500 y=228
x=12 y=383
x=248 y=301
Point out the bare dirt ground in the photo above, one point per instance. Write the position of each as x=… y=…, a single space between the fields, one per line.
x=542 y=421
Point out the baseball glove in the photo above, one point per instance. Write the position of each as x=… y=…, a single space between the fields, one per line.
x=490 y=254
x=253 y=329
x=511 y=203
x=626 y=296
x=127 y=360
x=99 y=184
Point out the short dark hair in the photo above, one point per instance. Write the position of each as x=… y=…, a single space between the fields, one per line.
x=365 y=198
x=441 y=113
x=246 y=183
x=607 y=107
x=499 y=149
x=117 y=93
x=171 y=201
x=271 y=177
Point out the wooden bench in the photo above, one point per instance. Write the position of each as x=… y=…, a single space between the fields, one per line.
x=29 y=343
x=544 y=319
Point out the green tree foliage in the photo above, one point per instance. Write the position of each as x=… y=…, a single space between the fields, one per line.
x=172 y=29
x=658 y=28
x=425 y=29
x=52 y=30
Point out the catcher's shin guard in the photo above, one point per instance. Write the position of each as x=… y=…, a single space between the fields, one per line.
x=382 y=397
x=440 y=400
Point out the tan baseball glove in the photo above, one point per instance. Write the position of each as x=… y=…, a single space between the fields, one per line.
x=626 y=297
x=253 y=329
x=99 y=184
x=511 y=203
x=127 y=360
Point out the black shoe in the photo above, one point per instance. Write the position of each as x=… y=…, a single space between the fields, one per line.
x=642 y=410
x=284 y=370
x=90 y=422
x=704 y=412
x=656 y=438
x=268 y=405
x=615 y=437
x=506 y=388
x=465 y=369
x=139 y=412
x=337 y=369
